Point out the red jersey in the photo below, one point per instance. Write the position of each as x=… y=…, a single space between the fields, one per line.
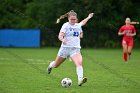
x=128 y=30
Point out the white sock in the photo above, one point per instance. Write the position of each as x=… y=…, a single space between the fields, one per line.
x=79 y=71
x=52 y=64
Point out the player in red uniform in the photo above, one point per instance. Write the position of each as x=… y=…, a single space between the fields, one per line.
x=128 y=31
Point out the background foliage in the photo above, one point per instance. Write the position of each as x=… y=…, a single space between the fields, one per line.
x=101 y=30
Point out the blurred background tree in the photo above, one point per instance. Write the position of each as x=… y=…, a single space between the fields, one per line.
x=100 y=31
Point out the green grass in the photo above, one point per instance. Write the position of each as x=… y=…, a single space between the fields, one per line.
x=23 y=70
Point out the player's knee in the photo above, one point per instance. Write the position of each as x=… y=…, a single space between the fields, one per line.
x=129 y=50
x=125 y=50
x=79 y=64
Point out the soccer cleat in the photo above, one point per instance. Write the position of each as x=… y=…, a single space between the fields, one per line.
x=49 y=70
x=84 y=80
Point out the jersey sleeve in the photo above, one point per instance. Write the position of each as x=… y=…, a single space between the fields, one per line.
x=63 y=28
x=81 y=29
x=121 y=29
x=80 y=26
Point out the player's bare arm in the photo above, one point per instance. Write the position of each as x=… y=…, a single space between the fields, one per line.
x=83 y=22
x=121 y=33
x=134 y=23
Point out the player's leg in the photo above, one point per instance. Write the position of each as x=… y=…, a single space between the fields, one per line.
x=130 y=46
x=56 y=63
x=77 y=59
x=129 y=51
x=62 y=54
x=124 y=45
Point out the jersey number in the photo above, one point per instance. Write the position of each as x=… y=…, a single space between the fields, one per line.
x=76 y=34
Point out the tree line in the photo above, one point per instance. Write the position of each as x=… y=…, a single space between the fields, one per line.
x=100 y=31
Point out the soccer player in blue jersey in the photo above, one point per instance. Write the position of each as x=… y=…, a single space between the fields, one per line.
x=69 y=35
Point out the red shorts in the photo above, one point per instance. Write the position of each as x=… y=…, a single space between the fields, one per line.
x=128 y=42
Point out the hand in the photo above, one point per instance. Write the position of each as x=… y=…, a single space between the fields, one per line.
x=90 y=15
x=122 y=33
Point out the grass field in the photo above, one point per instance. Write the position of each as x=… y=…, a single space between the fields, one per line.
x=23 y=70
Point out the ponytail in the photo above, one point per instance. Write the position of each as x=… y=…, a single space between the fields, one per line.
x=65 y=15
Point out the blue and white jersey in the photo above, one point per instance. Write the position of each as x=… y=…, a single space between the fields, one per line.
x=71 y=34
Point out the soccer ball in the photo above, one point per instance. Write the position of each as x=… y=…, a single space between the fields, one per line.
x=66 y=82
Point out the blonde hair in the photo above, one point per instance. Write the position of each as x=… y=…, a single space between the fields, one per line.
x=68 y=14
